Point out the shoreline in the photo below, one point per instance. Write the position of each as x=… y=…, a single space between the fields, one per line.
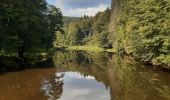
x=86 y=48
x=90 y=48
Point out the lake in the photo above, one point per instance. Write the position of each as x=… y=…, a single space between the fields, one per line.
x=79 y=75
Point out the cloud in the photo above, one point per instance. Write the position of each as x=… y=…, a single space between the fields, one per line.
x=81 y=7
x=90 y=11
x=81 y=3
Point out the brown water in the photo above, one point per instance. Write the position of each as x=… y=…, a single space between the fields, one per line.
x=87 y=76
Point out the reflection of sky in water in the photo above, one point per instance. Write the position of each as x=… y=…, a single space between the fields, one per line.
x=77 y=87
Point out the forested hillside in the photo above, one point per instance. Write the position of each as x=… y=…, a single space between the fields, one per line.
x=142 y=29
x=86 y=31
x=67 y=19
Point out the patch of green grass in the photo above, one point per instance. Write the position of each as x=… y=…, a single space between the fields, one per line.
x=111 y=50
x=89 y=48
x=86 y=48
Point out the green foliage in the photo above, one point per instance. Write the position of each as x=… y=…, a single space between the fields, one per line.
x=66 y=19
x=87 y=31
x=27 y=26
x=143 y=29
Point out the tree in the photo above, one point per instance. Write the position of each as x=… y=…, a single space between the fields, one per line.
x=55 y=23
x=88 y=30
x=143 y=29
x=25 y=25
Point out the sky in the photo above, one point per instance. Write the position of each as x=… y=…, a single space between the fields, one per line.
x=80 y=7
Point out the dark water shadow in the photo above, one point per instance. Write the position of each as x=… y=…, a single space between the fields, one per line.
x=13 y=64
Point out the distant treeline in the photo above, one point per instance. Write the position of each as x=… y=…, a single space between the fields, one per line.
x=66 y=19
x=86 y=31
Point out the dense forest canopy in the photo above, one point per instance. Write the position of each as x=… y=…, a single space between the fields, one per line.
x=143 y=29
x=27 y=26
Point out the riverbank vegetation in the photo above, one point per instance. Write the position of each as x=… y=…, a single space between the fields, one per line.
x=142 y=29
x=90 y=48
x=27 y=28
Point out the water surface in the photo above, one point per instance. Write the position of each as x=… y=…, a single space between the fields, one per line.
x=87 y=76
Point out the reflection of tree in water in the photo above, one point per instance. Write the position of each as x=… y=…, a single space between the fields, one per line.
x=86 y=63
x=52 y=87
x=80 y=57
x=132 y=81
x=126 y=79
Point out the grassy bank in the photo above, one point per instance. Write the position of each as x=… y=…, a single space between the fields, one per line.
x=87 y=48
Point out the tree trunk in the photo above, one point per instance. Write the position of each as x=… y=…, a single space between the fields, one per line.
x=21 y=58
x=21 y=52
